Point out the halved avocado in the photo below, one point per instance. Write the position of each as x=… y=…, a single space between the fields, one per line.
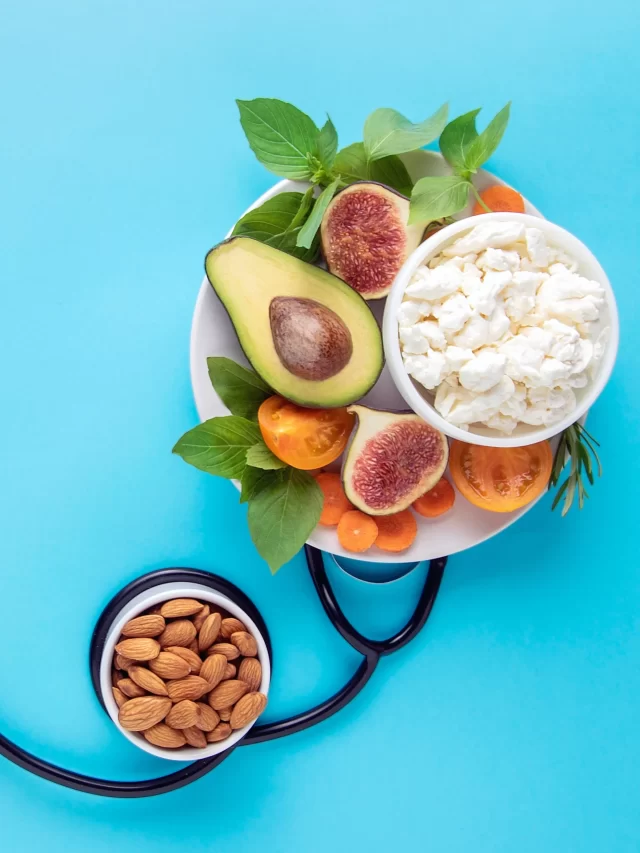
x=392 y=459
x=310 y=336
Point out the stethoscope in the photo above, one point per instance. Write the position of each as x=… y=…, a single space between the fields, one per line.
x=371 y=651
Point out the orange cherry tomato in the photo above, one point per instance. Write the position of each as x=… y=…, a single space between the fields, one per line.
x=304 y=438
x=500 y=479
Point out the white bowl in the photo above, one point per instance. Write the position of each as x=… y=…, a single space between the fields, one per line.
x=420 y=400
x=151 y=598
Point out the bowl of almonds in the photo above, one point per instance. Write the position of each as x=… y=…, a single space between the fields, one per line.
x=184 y=672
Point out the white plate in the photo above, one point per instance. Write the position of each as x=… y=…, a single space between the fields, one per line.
x=212 y=334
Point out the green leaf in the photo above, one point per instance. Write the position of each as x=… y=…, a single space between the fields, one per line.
x=483 y=146
x=280 y=135
x=352 y=165
x=240 y=389
x=277 y=223
x=387 y=131
x=219 y=446
x=434 y=198
x=327 y=144
x=282 y=516
x=254 y=480
x=456 y=138
x=310 y=228
x=259 y=456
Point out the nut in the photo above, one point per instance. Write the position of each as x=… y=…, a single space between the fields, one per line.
x=138 y=715
x=213 y=670
x=247 y=709
x=230 y=671
x=119 y=696
x=194 y=660
x=178 y=633
x=193 y=645
x=191 y=687
x=207 y=718
x=148 y=680
x=209 y=631
x=183 y=715
x=221 y=732
x=250 y=672
x=195 y=737
x=164 y=736
x=227 y=694
x=225 y=714
x=123 y=663
x=130 y=688
x=179 y=607
x=139 y=648
x=230 y=626
x=169 y=665
x=246 y=643
x=227 y=649
x=200 y=616
x=144 y=626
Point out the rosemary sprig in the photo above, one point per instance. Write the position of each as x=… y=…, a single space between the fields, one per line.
x=577 y=447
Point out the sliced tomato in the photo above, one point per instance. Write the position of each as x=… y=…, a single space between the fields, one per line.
x=304 y=438
x=500 y=479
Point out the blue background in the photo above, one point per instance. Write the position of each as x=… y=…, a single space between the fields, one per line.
x=511 y=723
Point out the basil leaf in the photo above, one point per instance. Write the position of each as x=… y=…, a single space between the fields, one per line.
x=280 y=135
x=434 y=198
x=483 y=146
x=456 y=138
x=310 y=228
x=259 y=456
x=282 y=516
x=219 y=446
x=240 y=389
x=277 y=222
x=327 y=143
x=387 y=131
x=254 y=480
x=352 y=165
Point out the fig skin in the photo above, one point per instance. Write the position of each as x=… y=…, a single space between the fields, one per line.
x=392 y=459
x=366 y=238
x=310 y=339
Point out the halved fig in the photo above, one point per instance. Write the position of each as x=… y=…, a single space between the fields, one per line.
x=366 y=239
x=392 y=459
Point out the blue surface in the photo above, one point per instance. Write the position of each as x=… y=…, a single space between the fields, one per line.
x=511 y=724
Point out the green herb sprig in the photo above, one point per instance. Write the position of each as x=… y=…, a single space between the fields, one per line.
x=284 y=503
x=577 y=447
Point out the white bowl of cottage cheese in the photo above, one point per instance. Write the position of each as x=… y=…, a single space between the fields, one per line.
x=501 y=330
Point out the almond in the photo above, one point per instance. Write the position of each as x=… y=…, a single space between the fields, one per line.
x=169 y=665
x=194 y=660
x=229 y=626
x=225 y=714
x=193 y=645
x=247 y=709
x=227 y=649
x=149 y=681
x=212 y=670
x=200 y=616
x=130 y=688
x=164 y=736
x=195 y=737
x=246 y=643
x=139 y=648
x=209 y=631
x=191 y=687
x=149 y=625
x=183 y=715
x=250 y=672
x=115 y=677
x=119 y=696
x=179 y=607
x=142 y=713
x=123 y=663
x=179 y=633
x=221 y=732
x=227 y=694
x=207 y=718
x=230 y=671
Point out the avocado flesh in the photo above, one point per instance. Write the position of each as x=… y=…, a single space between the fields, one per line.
x=247 y=275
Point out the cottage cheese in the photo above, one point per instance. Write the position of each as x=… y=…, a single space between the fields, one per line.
x=498 y=326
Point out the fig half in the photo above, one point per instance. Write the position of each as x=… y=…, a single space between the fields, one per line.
x=392 y=459
x=366 y=239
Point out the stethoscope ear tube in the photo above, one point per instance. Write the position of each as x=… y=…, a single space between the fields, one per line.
x=371 y=650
